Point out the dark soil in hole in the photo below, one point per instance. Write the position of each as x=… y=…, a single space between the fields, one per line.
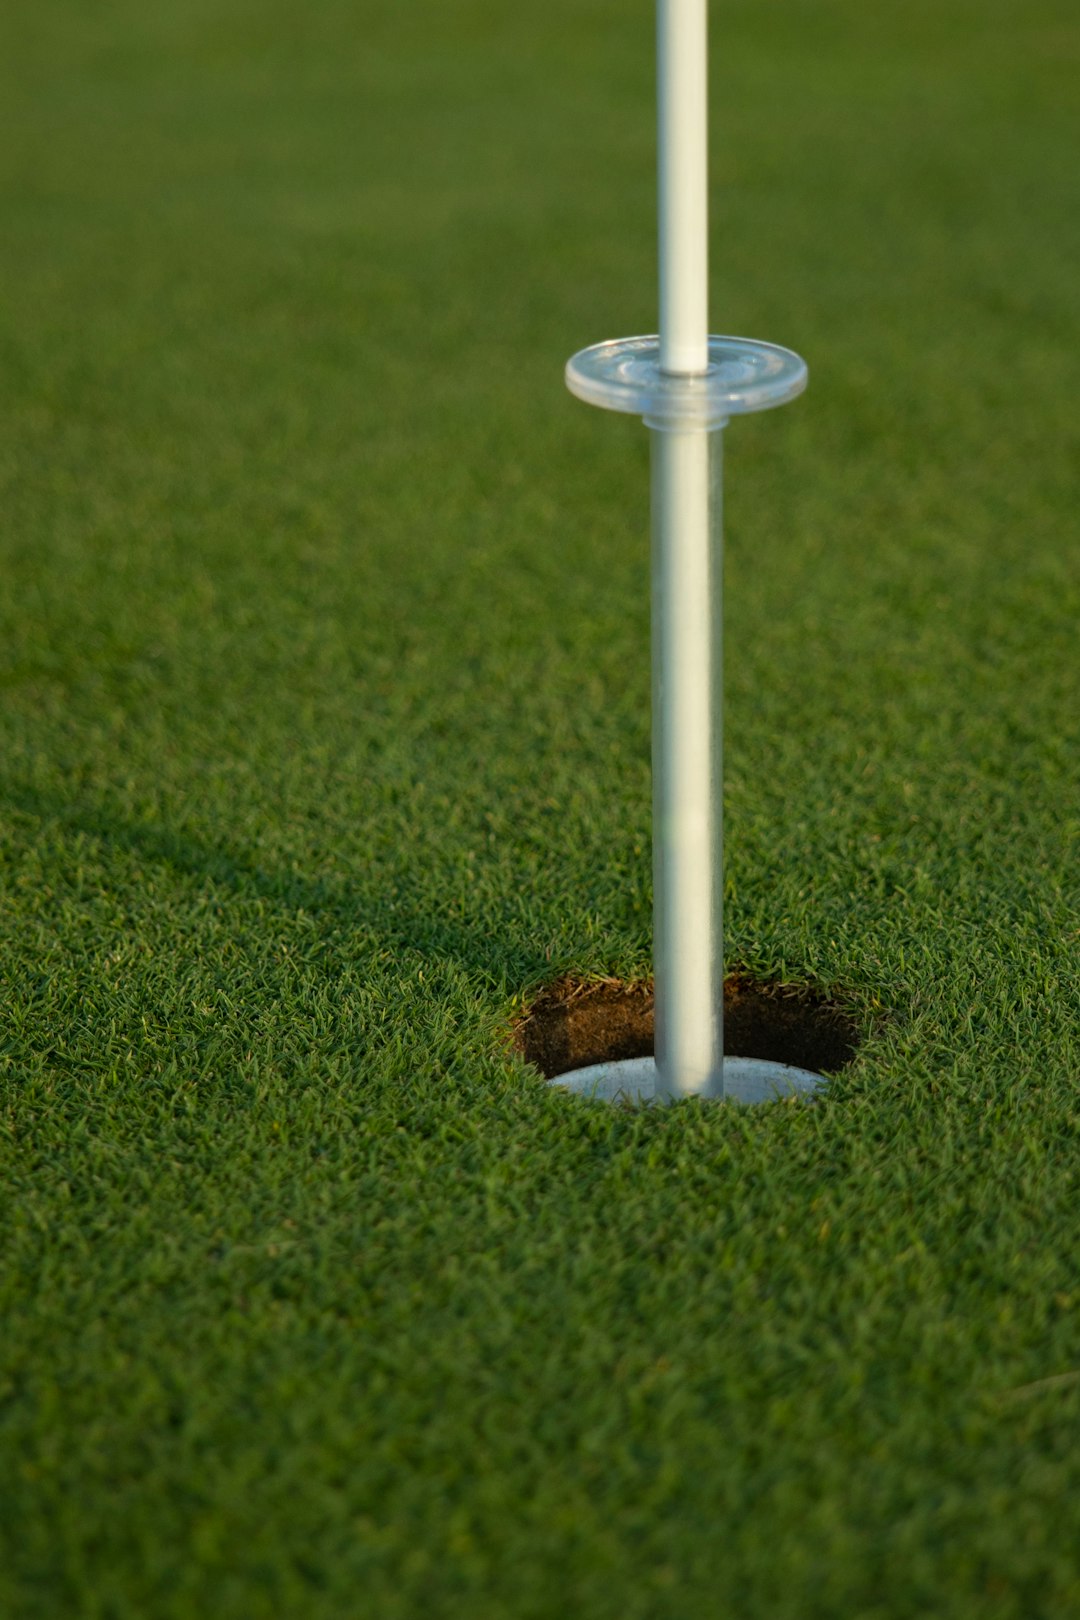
x=572 y=1024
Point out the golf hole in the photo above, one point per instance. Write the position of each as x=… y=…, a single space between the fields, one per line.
x=575 y=1023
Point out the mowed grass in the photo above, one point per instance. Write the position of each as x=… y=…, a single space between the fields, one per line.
x=324 y=699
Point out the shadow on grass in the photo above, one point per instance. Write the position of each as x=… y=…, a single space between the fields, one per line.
x=396 y=917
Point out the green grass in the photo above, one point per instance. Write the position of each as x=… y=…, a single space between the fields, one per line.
x=324 y=739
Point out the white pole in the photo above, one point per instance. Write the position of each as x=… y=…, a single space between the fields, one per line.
x=686 y=385
x=682 y=97
x=688 y=952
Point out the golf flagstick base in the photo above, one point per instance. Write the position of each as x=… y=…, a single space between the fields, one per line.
x=685 y=412
x=634 y=1080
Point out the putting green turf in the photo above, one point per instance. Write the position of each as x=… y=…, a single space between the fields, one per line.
x=324 y=739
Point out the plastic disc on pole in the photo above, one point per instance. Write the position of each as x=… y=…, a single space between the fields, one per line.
x=743 y=375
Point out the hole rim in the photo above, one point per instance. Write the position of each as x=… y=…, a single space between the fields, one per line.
x=578 y=1020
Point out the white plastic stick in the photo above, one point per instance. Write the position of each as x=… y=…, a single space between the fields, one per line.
x=686 y=401
x=682 y=95
x=688 y=947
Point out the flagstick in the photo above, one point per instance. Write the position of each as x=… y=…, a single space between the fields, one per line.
x=686 y=384
x=688 y=948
